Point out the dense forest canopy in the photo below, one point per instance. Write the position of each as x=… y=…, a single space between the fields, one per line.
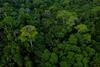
x=49 y=33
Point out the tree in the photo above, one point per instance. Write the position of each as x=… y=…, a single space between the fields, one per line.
x=81 y=28
x=49 y=33
x=28 y=33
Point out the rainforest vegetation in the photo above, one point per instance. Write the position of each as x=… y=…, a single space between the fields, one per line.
x=49 y=33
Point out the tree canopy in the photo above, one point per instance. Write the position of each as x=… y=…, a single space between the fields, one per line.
x=49 y=33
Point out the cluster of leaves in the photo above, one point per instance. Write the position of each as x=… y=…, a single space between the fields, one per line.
x=49 y=33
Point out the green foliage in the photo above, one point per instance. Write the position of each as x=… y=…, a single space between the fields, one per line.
x=53 y=58
x=73 y=39
x=8 y=20
x=28 y=63
x=68 y=18
x=11 y=52
x=46 y=55
x=81 y=28
x=63 y=64
x=28 y=33
x=96 y=60
x=87 y=37
x=48 y=65
x=49 y=33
